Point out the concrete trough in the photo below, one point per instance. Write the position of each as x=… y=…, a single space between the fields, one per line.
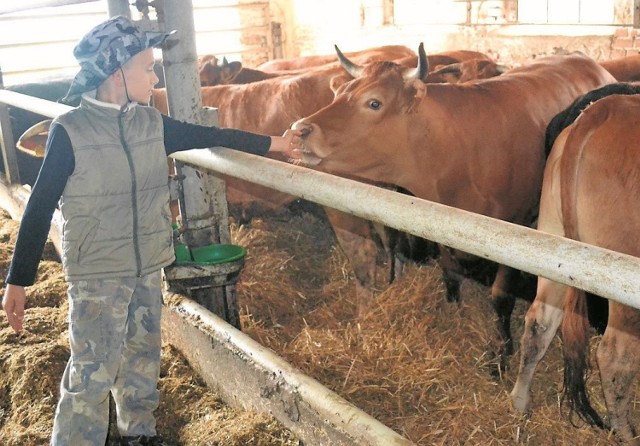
x=244 y=373
x=250 y=376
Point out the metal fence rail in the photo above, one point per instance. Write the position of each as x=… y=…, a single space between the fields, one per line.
x=603 y=272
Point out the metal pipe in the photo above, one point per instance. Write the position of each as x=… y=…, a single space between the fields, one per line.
x=36 y=105
x=26 y=5
x=603 y=272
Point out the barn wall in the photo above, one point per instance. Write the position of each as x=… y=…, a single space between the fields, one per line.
x=360 y=24
x=39 y=43
x=244 y=30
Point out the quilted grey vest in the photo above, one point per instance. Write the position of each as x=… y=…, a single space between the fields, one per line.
x=115 y=205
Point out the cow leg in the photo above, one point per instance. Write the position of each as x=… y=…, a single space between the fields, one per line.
x=389 y=238
x=503 y=303
x=450 y=273
x=541 y=324
x=618 y=357
x=355 y=238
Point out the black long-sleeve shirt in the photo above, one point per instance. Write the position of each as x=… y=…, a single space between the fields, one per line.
x=59 y=163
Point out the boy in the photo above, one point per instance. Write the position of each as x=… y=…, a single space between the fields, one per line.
x=105 y=165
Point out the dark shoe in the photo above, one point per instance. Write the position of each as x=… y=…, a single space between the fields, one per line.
x=142 y=440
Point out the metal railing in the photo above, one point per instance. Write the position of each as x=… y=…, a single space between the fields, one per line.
x=603 y=272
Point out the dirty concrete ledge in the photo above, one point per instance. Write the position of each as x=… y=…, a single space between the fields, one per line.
x=250 y=376
x=244 y=373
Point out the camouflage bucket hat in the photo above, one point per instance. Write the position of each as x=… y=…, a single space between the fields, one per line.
x=106 y=48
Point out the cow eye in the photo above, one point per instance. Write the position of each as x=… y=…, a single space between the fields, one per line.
x=374 y=104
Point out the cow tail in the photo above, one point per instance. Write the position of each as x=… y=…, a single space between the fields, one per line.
x=575 y=324
x=575 y=338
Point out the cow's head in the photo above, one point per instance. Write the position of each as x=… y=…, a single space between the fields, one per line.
x=369 y=117
x=211 y=73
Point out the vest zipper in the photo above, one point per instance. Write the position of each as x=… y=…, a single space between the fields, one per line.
x=134 y=195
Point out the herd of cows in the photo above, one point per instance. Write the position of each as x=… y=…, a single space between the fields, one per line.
x=551 y=144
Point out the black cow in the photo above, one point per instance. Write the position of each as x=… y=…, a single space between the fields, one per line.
x=566 y=117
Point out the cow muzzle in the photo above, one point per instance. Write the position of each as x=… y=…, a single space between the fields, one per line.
x=309 y=157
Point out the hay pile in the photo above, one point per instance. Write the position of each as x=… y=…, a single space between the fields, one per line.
x=32 y=363
x=415 y=362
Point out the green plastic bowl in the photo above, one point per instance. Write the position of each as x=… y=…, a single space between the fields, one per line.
x=182 y=254
x=210 y=254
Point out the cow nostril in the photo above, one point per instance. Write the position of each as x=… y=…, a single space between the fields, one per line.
x=306 y=130
x=303 y=127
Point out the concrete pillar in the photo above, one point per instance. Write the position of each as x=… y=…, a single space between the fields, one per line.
x=203 y=214
x=202 y=196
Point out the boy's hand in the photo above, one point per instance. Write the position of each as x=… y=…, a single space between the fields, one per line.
x=13 y=303
x=290 y=144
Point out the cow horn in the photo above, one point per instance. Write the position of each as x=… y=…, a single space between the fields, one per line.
x=451 y=68
x=422 y=70
x=351 y=68
x=502 y=68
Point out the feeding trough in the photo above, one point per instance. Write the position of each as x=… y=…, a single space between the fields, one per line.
x=206 y=266
x=208 y=274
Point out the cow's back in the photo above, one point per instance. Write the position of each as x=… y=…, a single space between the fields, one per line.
x=599 y=170
x=272 y=105
x=566 y=117
x=624 y=69
x=385 y=52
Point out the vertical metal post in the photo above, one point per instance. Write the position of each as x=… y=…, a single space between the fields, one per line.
x=119 y=7
x=203 y=199
x=185 y=103
x=7 y=143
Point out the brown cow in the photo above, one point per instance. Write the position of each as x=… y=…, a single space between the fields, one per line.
x=590 y=193
x=308 y=93
x=212 y=74
x=443 y=58
x=268 y=107
x=478 y=146
x=452 y=67
x=624 y=69
x=385 y=52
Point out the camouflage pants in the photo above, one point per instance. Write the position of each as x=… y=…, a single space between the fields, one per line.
x=114 y=335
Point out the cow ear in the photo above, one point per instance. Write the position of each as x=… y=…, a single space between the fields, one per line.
x=230 y=71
